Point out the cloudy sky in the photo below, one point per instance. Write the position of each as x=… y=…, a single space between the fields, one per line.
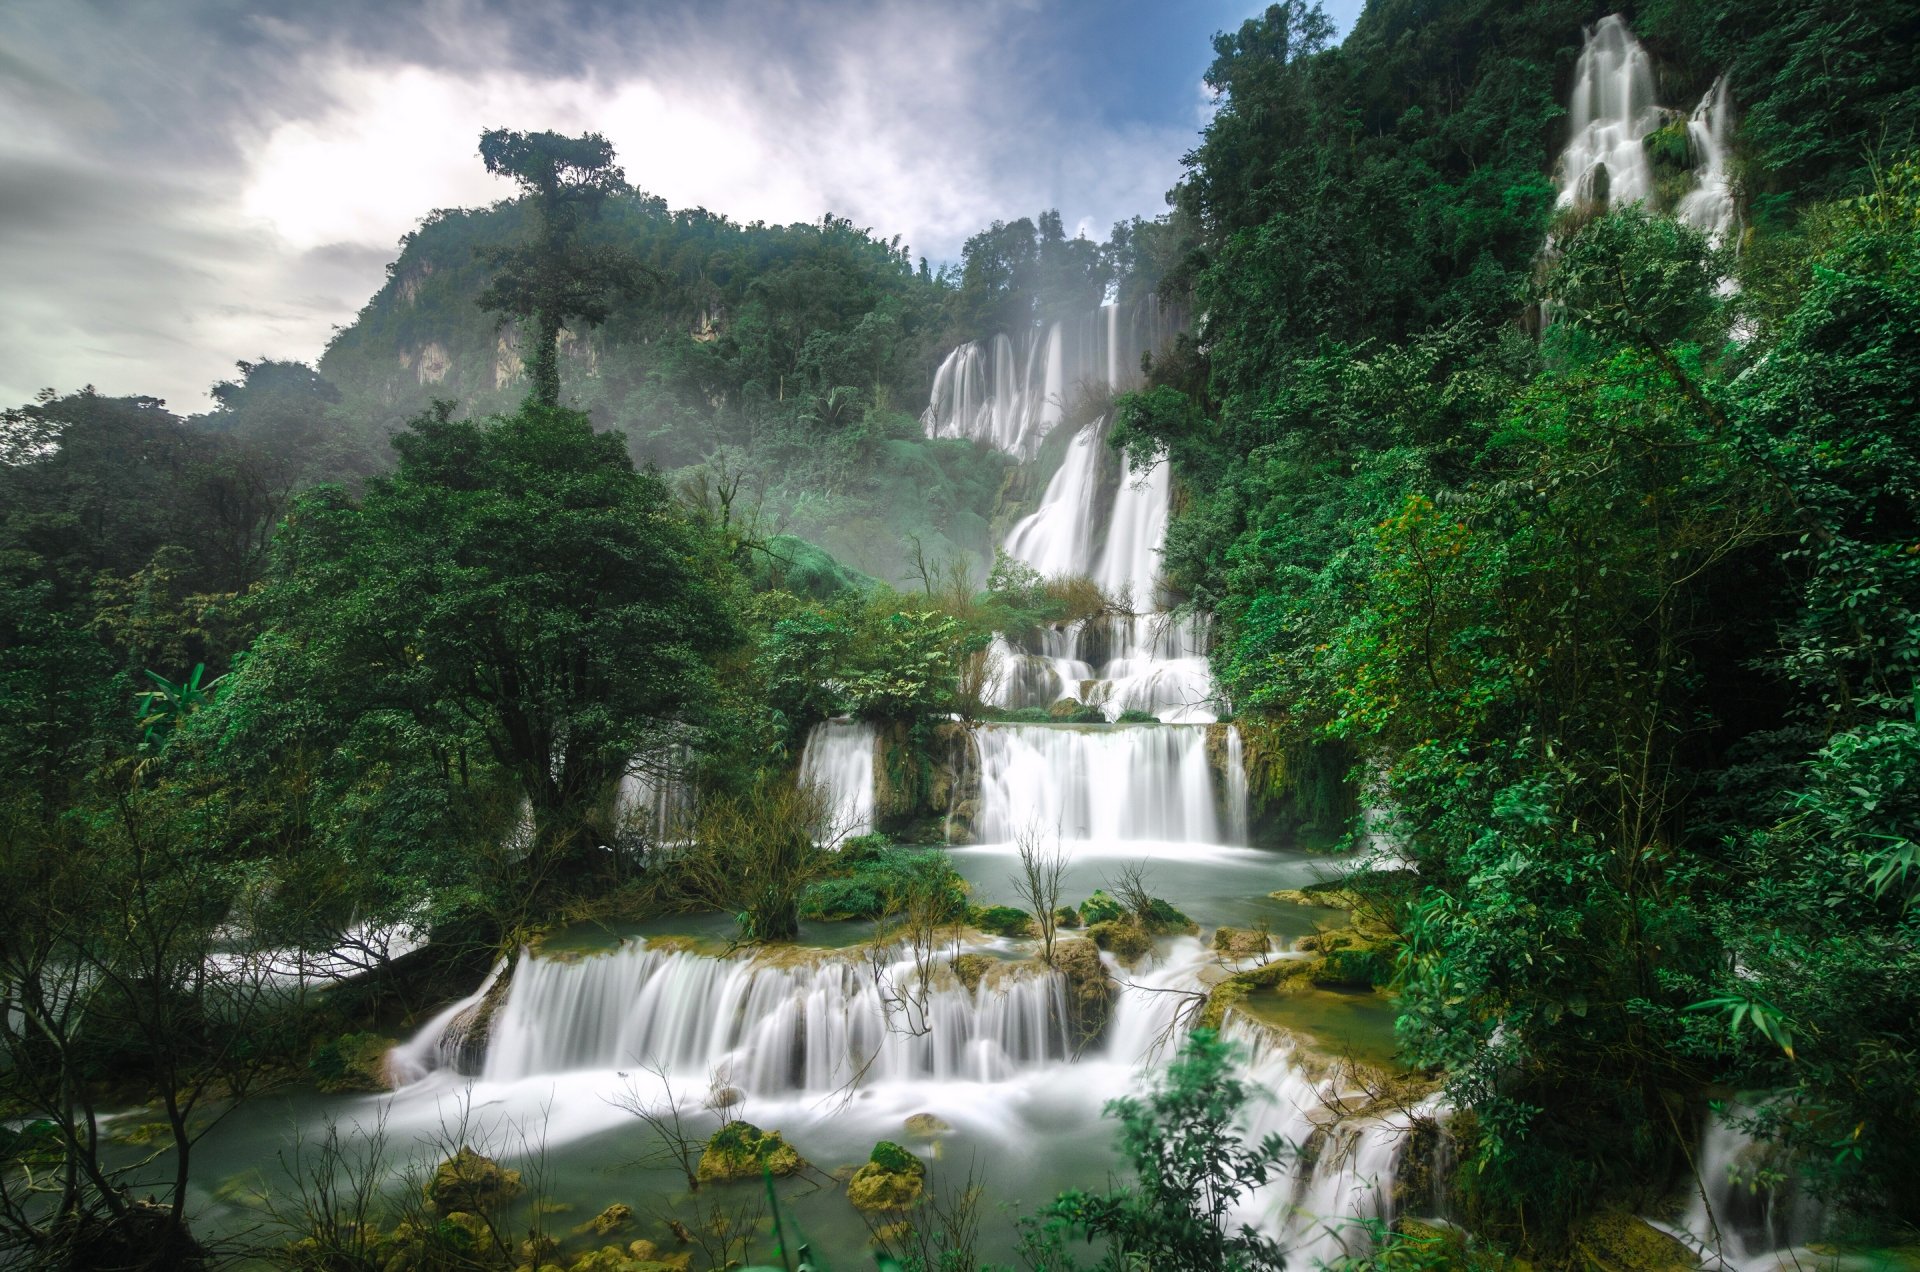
x=188 y=182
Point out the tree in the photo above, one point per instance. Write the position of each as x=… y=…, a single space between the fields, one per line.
x=554 y=276
x=516 y=592
x=1038 y=884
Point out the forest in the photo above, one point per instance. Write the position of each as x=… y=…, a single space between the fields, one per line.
x=1457 y=698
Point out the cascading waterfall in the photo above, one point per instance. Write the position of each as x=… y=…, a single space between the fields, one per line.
x=839 y=759
x=769 y=1030
x=1612 y=112
x=1709 y=205
x=1736 y=1223
x=1099 y=784
x=1010 y=391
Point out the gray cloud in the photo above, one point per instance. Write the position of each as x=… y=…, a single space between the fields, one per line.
x=188 y=183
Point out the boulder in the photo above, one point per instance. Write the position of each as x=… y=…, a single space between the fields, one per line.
x=1240 y=942
x=471 y=1182
x=1127 y=941
x=892 y=1179
x=971 y=969
x=610 y=1220
x=1001 y=920
x=1618 y=1242
x=927 y=1125
x=741 y=1150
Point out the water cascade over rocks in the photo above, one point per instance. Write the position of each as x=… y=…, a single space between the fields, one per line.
x=839 y=759
x=1613 y=111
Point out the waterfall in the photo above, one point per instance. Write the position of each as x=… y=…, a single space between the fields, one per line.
x=839 y=759
x=1734 y=1222
x=438 y=1044
x=1010 y=391
x=1612 y=112
x=1058 y=537
x=1100 y=784
x=1709 y=205
x=1156 y=663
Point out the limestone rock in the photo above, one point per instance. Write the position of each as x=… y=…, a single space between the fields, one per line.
x=739 y=1150
x=471 y=1182
x=892 y=1179
x=1127 y=941
x=610 y=1220
x=1089 y=989
x=928 y=1125
x=1240 y=942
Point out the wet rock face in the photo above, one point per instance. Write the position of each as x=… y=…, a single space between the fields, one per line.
x=1241 y=942
x=1089 y=990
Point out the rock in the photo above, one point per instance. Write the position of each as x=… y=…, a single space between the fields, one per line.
x=1241 y=943
x=538 y=1249
x=1101 y=908
x=1066 y=709
x=351 y=1062
x=927 y=1125
x=892 y=1179
x=741 y=1150
x=610 y=1220
x=613 y=1259
x=971 y=968
x=471 y=1182
x=1128 y=942
x=1067 y=917
x=1618 y=1242
x=1089 y=990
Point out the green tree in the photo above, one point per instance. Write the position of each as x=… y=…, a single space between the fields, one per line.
x=517 y=592
x=556 y=275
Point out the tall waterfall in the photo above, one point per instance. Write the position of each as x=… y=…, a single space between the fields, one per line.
x=1100 y=785
x=1612 y=112
x=839 y=759
x=1011 y=390
x=1709 y=205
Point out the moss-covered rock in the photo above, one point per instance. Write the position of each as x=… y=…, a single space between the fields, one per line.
x=970 y=969
x=892 y=1179
x=1101 y=908
x=471 y=1182
x=1241 y=942
x=1067 y=917
x=351 y=1062
x=1089 y=990
x=1617 y=1242
x=608 y=1221
x=1282 y=974
x=1125 y=940
x=927 y=1125
x=741 y=1150
x=1001 y=920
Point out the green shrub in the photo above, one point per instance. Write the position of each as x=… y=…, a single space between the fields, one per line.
x=1137 y=717
x=1101 y=908
x=1002 y=920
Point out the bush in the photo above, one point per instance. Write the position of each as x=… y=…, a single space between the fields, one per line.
x=1137 y=717
x=879 y=878
x=1002 y=920
x=1101 y=908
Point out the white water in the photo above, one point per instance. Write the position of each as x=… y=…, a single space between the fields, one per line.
x=1736 y=1226
x=839 y=758
x=1156 y=663
x=819 y=1045
x=1010 y=391
x=1101 y=785
x=1612 y=112
x=1709 y=205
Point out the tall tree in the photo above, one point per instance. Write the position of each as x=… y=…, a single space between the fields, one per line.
x=554 y=276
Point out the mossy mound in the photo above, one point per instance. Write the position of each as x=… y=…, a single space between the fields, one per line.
x=892 y=1179
x=1089 y=990
x=1126 y=941
x=1001 y=920
x=1067 y=917
x=1240 y=942
x=1101 y=908
x=1285 y=975
x=928 y=1125
x=614 y=1259
x=741 y=1150
x=471 y=1183
x=970 y=969
x=1617 y=1242
x=608 y=1221
x=351 y=1062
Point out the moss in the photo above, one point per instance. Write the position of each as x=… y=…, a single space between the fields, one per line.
x=471 y=1182
x=1089 y=990
x=1281 y=974
x=351 y=1062
x=1002 y=920
x=1128 y=942
x=1618 y=1242
x=1162 y=917
x=1101 y=908
x=971 y=969
x=1240 y=942
x=892 y=1179
x=1067 y=917
x=927 y=1125
x=610 y=1220
x=741 y=1150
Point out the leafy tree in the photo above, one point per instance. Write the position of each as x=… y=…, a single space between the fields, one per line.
x=515 y=590
x=555 y=276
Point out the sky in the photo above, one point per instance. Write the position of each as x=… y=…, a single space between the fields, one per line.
x=185 y=183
